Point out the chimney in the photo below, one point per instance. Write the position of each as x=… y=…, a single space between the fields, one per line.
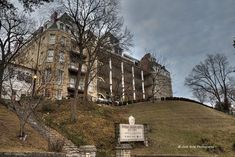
x=54 y=17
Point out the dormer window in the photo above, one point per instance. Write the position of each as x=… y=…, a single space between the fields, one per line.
x=67 y=28
x=61 y=26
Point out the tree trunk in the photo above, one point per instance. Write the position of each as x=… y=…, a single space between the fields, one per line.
x=74 y=110
x=226 y=102
x=22 y=124
x=1 y=79
x=76 y=98
x=85 y=94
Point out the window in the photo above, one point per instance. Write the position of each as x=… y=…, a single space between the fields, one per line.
x=11 y=73
x=58 y=95
x=61 y=57
x=52 y=39
x=47 y=75
x=50 y=55
x=59 y=76
x=47 y=93
x=61 y=26
x=72 y=82
x=81 y=84
x=28 y=78
x=20 y=76
x=62 y=41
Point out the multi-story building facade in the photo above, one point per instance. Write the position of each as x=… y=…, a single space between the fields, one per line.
x=157 y=78
x=53 y=54
x=124 y=78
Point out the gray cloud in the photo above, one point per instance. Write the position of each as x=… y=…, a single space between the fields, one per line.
x=182 y=31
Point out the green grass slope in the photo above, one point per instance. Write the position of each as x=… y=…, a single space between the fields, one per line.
x=179 y=127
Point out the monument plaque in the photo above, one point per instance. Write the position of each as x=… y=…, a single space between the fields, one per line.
x=131 y=132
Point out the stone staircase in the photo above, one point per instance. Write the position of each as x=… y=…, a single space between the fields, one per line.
x=69 y=148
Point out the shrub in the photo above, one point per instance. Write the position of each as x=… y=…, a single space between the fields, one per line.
x=47 y=106
x=222 y=106
x=212 y=148
x=55 y=145
x=234 y=146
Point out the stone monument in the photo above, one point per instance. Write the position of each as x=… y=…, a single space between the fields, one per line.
x=126 y=133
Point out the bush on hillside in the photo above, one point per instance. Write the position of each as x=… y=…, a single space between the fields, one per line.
x=55 y=145
x=210 y=147
x=47 y=106
x=234 y=146
x=222 y=106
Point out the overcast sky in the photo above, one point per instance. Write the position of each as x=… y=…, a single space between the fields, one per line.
x=181 y=31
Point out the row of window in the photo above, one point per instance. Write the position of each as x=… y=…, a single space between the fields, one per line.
x=72 y=82
x=52 y=40
x=48 y=76
x=59 y=78
x=61 y=56
x=50 y=56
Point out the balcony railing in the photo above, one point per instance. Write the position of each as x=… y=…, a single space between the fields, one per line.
x=71 y=85
x=73 y=67
x=75 y=53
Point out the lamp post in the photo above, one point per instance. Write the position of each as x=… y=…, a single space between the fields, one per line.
x=34 y=84
x=37 y=60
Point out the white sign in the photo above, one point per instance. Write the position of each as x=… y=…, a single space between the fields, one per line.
x=131 y=133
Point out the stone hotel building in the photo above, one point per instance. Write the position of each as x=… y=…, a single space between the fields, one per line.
x=53 y=52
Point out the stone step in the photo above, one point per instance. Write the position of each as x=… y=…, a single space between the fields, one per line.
x=49 y=133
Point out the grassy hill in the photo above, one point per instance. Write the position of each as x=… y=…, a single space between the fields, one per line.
x=177 y=127
x=173 y=124
x=9 y=129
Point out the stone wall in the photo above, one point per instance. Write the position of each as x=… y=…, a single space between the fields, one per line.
x=168 y=155
x=31 y=154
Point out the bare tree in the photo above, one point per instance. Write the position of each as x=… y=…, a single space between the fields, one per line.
x=200 y=95
x=15 y=30
x=18 y=87
x=24 y=109
x=212 y=76
x=93 y=21
x=28 y=5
